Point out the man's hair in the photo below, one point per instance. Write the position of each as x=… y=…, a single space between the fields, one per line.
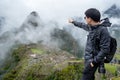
x=94 y=14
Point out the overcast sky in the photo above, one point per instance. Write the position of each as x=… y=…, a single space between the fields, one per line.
x=16 y=10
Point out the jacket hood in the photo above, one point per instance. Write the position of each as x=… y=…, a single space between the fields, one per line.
x=105 y=22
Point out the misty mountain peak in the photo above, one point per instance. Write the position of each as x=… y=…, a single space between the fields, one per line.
x=34 y=13
x=32 y=20
x=113 y=11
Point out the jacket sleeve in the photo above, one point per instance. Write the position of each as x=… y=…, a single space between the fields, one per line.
x=104 y=45
x=81 y=25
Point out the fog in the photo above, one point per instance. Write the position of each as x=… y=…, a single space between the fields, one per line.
x=16 y=10
x=15 y=13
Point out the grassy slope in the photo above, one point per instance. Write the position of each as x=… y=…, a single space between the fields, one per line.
x=46 y=64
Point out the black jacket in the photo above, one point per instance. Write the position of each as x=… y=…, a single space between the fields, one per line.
x=104 y=41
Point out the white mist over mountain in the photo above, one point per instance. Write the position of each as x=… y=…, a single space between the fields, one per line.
x=15 y=12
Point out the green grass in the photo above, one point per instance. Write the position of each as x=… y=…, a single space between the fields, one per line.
x=116 y=78
x=72 y=72
x=37 y=51
x=111 y=68
x=117 y=56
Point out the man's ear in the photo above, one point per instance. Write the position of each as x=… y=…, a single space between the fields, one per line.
x=90 y=20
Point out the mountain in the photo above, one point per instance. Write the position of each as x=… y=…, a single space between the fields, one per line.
x=33 y=20
x=38 y=62
x=68 y=42
x=25 y=60
x=113 y=11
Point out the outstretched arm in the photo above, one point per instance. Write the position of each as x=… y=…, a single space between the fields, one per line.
x=79 y=24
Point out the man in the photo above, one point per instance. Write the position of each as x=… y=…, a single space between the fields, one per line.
x=94 y=54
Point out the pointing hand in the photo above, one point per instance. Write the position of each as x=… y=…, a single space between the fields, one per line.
x=70 y=20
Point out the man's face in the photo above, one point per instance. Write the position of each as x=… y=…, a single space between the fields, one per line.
x=88 y=20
